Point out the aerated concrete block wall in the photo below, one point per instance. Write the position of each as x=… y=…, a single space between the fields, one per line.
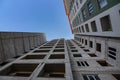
x=14 y=44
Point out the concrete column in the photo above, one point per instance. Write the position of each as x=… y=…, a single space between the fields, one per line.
x=1 y=51
x=18 y=43
x=31 y=41
x=26 y=42
x=8 y=45
x=35 y=38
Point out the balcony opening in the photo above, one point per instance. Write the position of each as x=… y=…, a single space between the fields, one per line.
x=117 y=76
x=98 y=47
x=3 y=63
x=83 y=29
x=57 y=56
x=59 y=50
x=49 y=45
x=91 y=44
x=41 y=51
x=45 y=47
x=23 y=70
x=92 y=55
x=77 y=55
x=60 y=44
x=85 y=42
x=106 y=23
x=103 y=63
x=93 y=26
x=82 y=40
x=34 y=57
x=72 y=47
x=86 y=50
x=59 y=47
x=74 y=50
x=87 y=28
x=53 y=70
x=82 y=47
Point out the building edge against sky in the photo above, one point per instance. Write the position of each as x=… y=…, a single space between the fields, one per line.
x=88 y=17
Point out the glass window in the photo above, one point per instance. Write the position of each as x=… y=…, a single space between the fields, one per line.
x=87 y=27
x=90 y=8
x=94 y=26
x=83 y=29
x=84 y=13
x=102 y=3
x=81 y=17
x=81 y=1
x=106 y=23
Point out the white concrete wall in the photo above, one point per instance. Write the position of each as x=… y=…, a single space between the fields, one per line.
x=115 y=18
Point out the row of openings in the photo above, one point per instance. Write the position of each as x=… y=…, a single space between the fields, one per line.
x=44 y=51
x=98 y=45
x=85 y=63
x=105 y=24
x=96 y=77
x=111 y=51
x=86 y=41
x=52 y=56
x=25 y=70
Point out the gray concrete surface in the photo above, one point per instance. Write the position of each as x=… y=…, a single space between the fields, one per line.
x=13 y=44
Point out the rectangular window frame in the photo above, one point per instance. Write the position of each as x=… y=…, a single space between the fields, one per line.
x=98 y=47
x=104 y=24
x=90 y=8
x=101 y=5
x=94 y=26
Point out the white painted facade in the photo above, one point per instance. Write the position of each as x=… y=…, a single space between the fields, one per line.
x=114 y=18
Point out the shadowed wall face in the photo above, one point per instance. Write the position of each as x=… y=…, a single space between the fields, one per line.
x=15 y=44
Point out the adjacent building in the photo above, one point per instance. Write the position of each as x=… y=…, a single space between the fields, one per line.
x=96 y=28
x=16 y=44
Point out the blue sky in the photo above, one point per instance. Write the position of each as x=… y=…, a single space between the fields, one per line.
x=46 y=16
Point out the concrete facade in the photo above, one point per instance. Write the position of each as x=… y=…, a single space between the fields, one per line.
x=82 y=58
x=15 y=44
x=49 y=61
x=95 y=48
x=85 y=62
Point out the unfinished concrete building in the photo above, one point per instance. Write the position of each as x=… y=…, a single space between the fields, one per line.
x=16 y=44
x=47 y=62
x=61 y=59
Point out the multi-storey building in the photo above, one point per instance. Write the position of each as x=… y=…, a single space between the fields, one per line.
x=95 y=25
x=93 y=54
x=49 y=61
x=16 y=44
